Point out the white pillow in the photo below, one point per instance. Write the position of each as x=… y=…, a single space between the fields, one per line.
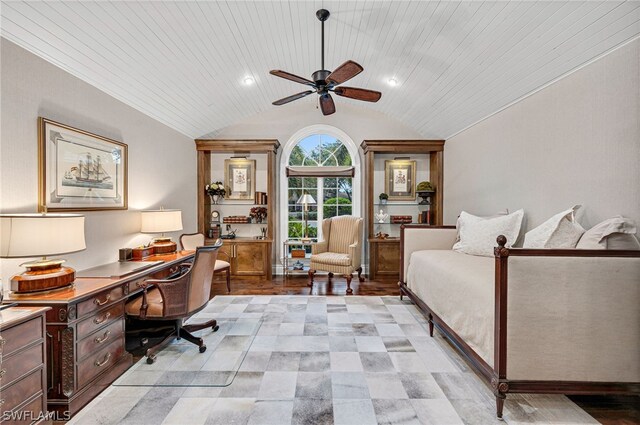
x=498 y=214
x=614 y=233
x=560 y=231
x=478 y=234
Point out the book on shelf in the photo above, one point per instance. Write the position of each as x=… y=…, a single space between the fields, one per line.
x=260 y=198
x=236 y=219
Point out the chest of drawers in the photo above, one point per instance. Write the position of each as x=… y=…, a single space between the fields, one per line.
x=23 y=398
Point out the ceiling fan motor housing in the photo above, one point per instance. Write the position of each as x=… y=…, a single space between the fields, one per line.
x=320 y=77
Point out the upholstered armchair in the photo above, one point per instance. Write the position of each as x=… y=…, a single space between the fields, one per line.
x=174 y=300
x=340 y=250
x=191 y=241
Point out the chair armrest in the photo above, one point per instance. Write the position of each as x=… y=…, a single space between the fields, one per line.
x=354 y=253
x=319 y=247
x=173 y=293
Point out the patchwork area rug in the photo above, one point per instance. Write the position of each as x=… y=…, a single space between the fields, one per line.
x=314 y=360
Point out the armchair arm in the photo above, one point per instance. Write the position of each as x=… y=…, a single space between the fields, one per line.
x=319 y=247
x=355 y=254
x=173 y=293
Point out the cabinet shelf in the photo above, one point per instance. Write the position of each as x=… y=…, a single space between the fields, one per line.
x=237 y=203
x=400 y=204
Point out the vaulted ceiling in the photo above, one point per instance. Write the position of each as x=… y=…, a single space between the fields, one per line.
x=184 y=62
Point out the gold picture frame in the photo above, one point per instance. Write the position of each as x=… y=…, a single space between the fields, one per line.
x=78 y=170
x=400 y=179
x=240 y=178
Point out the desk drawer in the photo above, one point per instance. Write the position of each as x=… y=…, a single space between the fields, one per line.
x=99 y=362
x=100 y=320
x=22 y=390
x=97 y=340
x=96 y=302
x=15 y=338
x=14 y=367
x=27 y=413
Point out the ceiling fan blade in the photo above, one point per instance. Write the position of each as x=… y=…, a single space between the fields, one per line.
x=288 y=76
x=358 y=94
x=327 y=105
x=344 y=72
x=292 y=97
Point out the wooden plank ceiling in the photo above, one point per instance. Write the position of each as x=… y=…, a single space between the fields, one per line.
x=184 y=62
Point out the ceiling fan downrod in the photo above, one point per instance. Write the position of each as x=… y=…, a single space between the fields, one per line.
x=322 y=15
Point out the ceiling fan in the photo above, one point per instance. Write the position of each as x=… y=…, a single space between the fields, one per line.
x=323 y=81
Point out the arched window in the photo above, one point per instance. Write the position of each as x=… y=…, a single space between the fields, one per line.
x=333 y=195
x=321 y=161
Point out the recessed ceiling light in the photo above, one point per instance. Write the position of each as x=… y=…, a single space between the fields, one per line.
x=248 y=81
x=393 y=82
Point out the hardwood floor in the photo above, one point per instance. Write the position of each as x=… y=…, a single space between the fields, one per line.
x=609 y=410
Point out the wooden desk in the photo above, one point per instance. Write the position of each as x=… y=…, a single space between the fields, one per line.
x=85 y=332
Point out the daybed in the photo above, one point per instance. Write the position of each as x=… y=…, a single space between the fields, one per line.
x=531 y=320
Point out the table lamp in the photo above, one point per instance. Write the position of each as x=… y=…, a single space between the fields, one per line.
x=306 y=200
x=41 y=235
x=161 y=221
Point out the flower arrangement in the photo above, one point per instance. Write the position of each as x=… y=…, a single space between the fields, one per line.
x=215 y=188
x=259 y=213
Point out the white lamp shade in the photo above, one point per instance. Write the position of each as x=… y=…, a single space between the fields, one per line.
x=160 y=221
x=306 y=199
x=40 y=235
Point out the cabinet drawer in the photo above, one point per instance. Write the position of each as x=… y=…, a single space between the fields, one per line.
x=22 y=390
x=13 y=367
x=97 y=340
x=96 y=302
x=99 y=362
x=21 y=335
x=100 y=320
x=27 y=413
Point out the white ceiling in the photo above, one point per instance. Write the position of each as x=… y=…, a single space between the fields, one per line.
x=184 y=62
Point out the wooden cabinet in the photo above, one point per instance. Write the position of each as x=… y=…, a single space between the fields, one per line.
x=384 y=254
x=250 y=258
x=23 y=396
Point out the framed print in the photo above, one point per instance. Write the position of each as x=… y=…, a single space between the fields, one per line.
x=239 y=177
x=400 y=179
x=78 y=170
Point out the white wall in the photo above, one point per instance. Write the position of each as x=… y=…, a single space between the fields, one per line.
x=574 y=142
x=162 y=162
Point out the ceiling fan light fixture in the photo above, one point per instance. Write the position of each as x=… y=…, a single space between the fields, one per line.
x=248 y=80
x=392 y=82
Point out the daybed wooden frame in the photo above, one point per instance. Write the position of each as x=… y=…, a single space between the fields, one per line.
x=497 y=377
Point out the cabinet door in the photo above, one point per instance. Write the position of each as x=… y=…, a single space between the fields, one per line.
x=388 y=259
x=251 y=259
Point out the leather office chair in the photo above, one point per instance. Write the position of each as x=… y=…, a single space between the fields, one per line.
x=176 y=299
x=191 y=241
x=340 y=250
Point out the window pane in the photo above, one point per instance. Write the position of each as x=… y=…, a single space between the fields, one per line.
x=344 y=210
x=297 y=156
x=343 y=156
x=310 y=182
x=295 y=182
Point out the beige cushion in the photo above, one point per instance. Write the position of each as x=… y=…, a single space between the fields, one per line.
x=478 y=234
x=333 y=258
x=459 y=288
x=221 y=265
x=614 y=233
x=560 y=231
x=154 y=300
x=343 y=233
x=498 y=214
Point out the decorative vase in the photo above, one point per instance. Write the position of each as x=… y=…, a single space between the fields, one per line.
x=215 y=198
x=383 y=201
x=426 y=196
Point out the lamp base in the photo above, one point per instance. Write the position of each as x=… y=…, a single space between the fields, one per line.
x=43 y=276
x=164 y=246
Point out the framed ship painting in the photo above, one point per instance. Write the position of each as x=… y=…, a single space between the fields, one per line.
x=78 y=170
x=239 y=177
x=400 y=177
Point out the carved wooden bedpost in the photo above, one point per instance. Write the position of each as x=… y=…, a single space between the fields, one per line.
x=499 y=382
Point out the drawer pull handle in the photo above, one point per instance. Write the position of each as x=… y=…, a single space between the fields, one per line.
x=104 y=361
x=2 y=341
x=1 y=401
x=97 y=321
x=2 y=373
x=106 y=300
x=100 y=340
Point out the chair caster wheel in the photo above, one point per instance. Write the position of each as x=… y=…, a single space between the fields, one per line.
x=215 y=328
x=203 y=349
x=151 y=359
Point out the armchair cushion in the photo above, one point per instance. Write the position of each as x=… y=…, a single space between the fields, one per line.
x=332 y=258
x=154 y=300
x=220 y=265
x=319 y=247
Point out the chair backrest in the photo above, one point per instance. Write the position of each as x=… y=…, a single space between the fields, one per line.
x=343 y=231
x=190 y=241
x=200 y=277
